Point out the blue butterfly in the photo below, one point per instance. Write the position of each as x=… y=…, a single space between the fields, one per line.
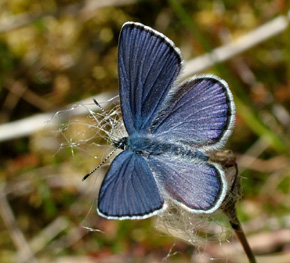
x=170 y=129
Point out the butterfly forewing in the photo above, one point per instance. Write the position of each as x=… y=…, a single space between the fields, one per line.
x=148 y=66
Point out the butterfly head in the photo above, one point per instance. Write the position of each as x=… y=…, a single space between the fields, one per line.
x=121 y=144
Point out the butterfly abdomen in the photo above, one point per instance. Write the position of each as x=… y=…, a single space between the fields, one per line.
x=148 y=145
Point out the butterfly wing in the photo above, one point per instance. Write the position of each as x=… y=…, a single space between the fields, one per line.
x=129 y=190
x=196 y=185
x=148 y=66
x=200 y=113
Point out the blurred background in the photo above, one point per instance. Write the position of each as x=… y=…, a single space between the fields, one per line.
x=57 y=53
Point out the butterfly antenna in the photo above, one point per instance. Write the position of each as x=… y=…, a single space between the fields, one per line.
x=108 y=116
x=91 y=172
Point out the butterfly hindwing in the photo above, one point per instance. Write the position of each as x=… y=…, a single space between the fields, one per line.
x=199 y=113
x=148 y=66
x=129 y=190
x=197 y=185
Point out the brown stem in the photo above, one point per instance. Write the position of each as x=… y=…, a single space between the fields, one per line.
x=244 y=242
x=229 y=205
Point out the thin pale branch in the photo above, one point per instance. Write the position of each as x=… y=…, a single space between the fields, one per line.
x=37 y=122
x=249 y=40
x=24 y=251
x=29 y=125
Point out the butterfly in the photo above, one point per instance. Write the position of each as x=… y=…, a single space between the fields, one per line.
x=171 y=128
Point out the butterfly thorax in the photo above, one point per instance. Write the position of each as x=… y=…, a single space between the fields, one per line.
x=148 y=145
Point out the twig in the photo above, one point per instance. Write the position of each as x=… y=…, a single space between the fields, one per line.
x=249 y=40
x=270 y=245
x=228 y=162
x=29 y=125
x=73 y=235
x=49 y=233
x=237 y=227
x=37 y=122
x=24 y=251
x=17 y=90
x=254 y=151
x=274 y=164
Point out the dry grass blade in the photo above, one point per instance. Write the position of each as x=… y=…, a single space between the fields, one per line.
x=25 y=253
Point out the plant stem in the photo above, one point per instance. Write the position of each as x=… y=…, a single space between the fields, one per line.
x=237 y=227
x=228 y=161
